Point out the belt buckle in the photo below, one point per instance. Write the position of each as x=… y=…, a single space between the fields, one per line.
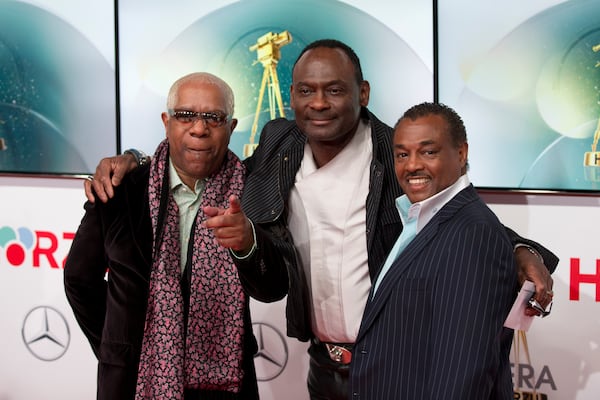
x=339 y=354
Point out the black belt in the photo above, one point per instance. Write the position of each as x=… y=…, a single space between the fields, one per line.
x=340 y=353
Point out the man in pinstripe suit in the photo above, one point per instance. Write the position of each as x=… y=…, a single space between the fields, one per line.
x=433 y=325
x=320 y=195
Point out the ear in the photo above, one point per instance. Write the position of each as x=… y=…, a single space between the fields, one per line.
x=292 y=96
x=463 y=153
x=232 y=126
x=165 y=119
x=365 y=90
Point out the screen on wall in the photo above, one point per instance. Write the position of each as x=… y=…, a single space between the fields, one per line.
x=525 y=76
x=162 y=41
x=57 y=85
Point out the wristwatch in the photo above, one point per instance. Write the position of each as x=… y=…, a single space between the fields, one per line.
x=529 y=249
x=140 y=157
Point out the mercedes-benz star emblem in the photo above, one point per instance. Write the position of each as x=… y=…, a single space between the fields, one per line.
x=46 y=333
x=272 y=355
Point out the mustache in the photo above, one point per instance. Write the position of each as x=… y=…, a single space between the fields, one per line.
x=417 y=174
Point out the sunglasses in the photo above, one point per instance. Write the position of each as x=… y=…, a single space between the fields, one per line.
x=212 y=119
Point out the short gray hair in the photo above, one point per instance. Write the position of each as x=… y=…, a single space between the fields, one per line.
x=202 y=77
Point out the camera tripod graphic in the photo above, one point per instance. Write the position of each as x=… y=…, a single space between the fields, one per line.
x=268 y=52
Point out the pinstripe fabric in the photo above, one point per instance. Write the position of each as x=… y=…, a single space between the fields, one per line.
x=434 y=328
x=274 y=270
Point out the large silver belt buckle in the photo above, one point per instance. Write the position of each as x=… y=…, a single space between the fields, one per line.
x=339 y=354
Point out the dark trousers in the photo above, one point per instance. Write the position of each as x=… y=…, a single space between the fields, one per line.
x=327 y=379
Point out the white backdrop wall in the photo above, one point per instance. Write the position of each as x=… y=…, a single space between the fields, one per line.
x=43 y=353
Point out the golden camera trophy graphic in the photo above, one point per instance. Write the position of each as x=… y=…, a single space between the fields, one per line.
x=268 y=53
x=591 y=159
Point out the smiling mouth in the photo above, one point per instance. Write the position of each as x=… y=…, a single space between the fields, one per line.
x=418 y=180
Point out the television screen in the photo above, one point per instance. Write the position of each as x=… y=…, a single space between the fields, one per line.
x=162 y=41
x=525 y=77
x=57 y=85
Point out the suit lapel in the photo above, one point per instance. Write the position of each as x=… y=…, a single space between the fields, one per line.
x=289 y=162
x=273 y=171
x=376 y=182
x=406 y=259
x=398 y=268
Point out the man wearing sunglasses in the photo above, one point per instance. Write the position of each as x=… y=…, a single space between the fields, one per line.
x=172 y=320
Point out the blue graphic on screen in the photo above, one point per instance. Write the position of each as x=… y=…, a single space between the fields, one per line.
x=57 y=95
x=532 y=104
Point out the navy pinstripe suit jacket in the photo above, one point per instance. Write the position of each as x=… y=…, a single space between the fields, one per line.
x=434 y=328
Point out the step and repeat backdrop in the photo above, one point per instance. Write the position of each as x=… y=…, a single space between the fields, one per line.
x=44 y=355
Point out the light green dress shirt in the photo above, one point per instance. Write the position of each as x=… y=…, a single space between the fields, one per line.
x=188 y=201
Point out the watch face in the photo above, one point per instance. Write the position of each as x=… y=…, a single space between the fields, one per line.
x=140 y=157
x=144 y=160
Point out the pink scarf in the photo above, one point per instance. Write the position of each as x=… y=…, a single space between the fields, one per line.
x=212 y=354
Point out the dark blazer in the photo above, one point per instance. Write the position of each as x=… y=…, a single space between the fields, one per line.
x=118 y=236
x=434 y=329
x=274 y=270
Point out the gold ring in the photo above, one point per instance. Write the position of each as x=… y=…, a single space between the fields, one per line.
x=549 y=292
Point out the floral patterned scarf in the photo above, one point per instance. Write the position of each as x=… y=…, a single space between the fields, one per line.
x=211 y=357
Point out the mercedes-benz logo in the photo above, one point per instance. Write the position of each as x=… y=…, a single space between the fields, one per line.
x=272 y=355
x=46 y=333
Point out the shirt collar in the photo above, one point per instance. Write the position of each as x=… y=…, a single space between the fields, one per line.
x=175 y=181
x=426 y=209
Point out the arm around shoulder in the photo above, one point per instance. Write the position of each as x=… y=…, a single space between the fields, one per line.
x=550 y=260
